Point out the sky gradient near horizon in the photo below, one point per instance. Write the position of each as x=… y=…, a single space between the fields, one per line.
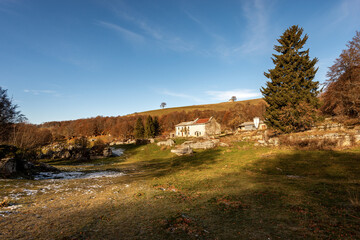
x=70 y=59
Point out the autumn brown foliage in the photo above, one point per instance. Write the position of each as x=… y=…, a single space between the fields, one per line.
x=29 y=136
x=342 y=92
x=122 y=127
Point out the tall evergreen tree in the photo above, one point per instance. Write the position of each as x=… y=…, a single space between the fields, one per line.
x=139 y=128
x=156 y=126
x=149 y=128
x=291 y=94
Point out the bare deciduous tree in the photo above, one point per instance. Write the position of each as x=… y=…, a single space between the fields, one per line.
x=342 y=92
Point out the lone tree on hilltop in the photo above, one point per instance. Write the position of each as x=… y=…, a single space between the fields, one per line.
x=163 y=105
x=8 y=115
x=342 y=92
x=291 y=93
x=233 y=99
x=139 y=128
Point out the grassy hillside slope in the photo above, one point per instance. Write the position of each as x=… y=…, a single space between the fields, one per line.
x=216 y=107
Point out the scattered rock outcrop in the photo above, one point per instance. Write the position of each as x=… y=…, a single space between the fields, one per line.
x=318 y=139
x=12 y=167
x=168 y=142
x=7 y=167
x=77 y=153
x=107 y=152
x=182 y=150
x=200 y=145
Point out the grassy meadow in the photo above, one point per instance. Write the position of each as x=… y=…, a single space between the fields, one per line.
x=237 y=192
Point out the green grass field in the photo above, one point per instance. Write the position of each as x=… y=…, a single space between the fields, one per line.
x=240 y=192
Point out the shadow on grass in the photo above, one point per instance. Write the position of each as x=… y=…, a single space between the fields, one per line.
x=302 y=194
x=159 y=167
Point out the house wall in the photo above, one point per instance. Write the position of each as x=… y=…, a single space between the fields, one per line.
x=197 y=128
x=179 y=131
x=262 y=126
x=213 y=128
x=191 y=130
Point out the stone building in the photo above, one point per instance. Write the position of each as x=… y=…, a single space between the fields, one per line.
x=198 y=128
x=257 y=124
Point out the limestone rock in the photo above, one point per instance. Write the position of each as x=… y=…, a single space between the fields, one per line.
x=107 y=152
x=345 y=142
x=7 y=167
x=182 y=151
x=274 y=141
x=43 y=167
x=221 y=144
x=168 y=142
x=357 y=138
x=200 y=145
x=66 y=155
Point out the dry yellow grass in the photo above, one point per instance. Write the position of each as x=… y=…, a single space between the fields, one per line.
x=240 y=192
x=216 y=107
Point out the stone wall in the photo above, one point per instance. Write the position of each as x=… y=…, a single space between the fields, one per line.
x=336 y=138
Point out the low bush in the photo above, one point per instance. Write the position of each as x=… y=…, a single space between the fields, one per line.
x=309 y=144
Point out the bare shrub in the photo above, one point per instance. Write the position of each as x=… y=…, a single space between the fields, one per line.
x=309 y=144
x=354 y=197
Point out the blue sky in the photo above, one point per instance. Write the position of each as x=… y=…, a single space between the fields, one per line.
x=70 y=59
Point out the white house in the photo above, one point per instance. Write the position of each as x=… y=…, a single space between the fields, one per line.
x=198 y=128
x=257 y=124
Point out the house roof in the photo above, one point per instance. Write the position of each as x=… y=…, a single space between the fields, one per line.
x=250 y=123
x=185 y=123
x=202 y=120
x=196 y=121
x=247 y=123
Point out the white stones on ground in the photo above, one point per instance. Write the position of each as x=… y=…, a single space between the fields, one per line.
x=182 y=150
x=168 y=142
x=274 y=141
x=117 y=151
x=357 y=138
x=76 y=175
x=221 y=144
x=199 y=145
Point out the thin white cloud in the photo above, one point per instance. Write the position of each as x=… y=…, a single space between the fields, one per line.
x=239 y=93
x=127 y=34
x=204 y=27
x=346 y=9
x=257 y=16
x=182 y=95
x=152 y=31
x=38 y=92
x=165 y=39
